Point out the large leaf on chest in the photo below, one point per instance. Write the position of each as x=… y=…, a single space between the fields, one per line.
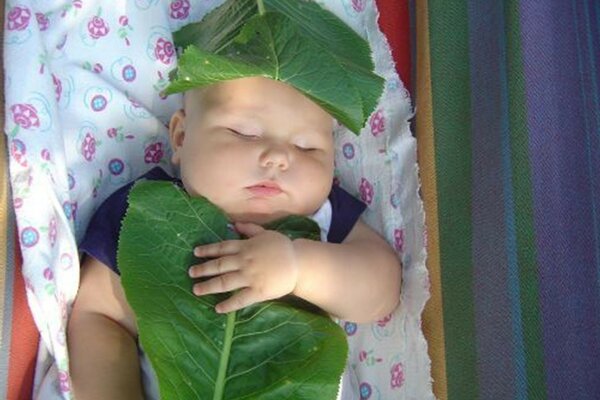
x=272 y=350
x=295 y=42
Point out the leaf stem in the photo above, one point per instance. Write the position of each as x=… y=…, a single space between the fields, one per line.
x=224 y=361
x=261 y=7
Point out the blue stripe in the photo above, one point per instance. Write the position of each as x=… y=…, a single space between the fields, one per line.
x=492 y=302
x=581 y=61
x=6 y=314
x=514 y=288
x=596 y=113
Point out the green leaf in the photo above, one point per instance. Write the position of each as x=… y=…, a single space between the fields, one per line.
x=272 y=350
x=296 y=227
x=295 y=42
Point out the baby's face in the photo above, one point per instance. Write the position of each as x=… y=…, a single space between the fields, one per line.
x=255 y=147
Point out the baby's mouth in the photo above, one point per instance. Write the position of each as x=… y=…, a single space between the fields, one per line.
x=265 y=189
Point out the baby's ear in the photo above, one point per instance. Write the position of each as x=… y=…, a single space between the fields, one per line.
x=177 y=134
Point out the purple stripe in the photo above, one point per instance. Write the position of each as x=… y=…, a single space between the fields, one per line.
x=589 y=73
x=562 y=201
x=495 y=368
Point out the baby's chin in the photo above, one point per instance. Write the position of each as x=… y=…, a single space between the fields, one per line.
x=256 y=218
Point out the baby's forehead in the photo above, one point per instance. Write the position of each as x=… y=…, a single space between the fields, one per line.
x=256 y=96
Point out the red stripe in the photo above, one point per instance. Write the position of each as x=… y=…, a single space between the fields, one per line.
x=394 y=22
x=24 y=339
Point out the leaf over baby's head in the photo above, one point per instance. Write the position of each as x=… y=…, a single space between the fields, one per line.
x=296 y=42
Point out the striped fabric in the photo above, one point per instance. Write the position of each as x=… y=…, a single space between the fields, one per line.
x=508 y=123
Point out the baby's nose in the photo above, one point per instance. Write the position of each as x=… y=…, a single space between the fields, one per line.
x=275 y=156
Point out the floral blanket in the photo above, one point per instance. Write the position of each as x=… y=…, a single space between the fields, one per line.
x=85 y=116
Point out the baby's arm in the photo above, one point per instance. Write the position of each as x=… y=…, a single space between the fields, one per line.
x=102 y=338
x=357 y=280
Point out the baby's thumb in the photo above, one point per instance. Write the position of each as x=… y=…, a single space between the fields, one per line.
x=248 y=229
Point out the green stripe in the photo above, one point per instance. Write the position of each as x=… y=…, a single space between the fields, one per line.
x=524 y=219
x=451 y=97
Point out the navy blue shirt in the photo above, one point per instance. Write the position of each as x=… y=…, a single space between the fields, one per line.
x=101 y=238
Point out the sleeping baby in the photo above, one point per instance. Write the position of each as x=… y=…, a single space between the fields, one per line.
x=260 y=150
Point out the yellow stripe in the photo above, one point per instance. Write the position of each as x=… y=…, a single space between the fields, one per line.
x=3 y=190
x=433 y=319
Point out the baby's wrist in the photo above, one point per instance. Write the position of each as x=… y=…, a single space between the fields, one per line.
x=301 y=250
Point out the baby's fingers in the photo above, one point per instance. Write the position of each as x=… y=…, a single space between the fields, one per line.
x=240 y=299
x=214 y=267
x=220 y=284
x=224 y=248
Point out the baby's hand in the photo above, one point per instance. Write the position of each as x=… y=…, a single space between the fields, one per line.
x=263 y=267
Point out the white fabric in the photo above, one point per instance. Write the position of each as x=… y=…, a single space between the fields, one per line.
x=84 y=116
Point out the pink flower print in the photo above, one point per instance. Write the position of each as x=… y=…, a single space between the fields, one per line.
x=124 y=29
x=368 y=357
x=112 y=133
x=180 y=9
x=52 y=232
x=45 y=154
x=365 y=391
x=134 y=102
x=128 y=73
x=98 y=103
x=358 y=5
x=18 y=18
x=153 y=153
x=63 y=379
x=75 y=4
x=57 y=87
x=48 y=274
x=42 y=21
x=25 y=115
x=116 y=166
x=62 y=42
x=397 y=372
x=18 y=152
x=348 y=150
x=399 y=239
x=97 y=28
x=350 y=328
x=366 y=191
x=29 y=237
x=71 y=180
x=377 y=123
x=70 y=209
x=384 y=321
x=88 y=147
x=164 y=50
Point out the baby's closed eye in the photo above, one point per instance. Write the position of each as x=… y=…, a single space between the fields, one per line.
x=243 y=133
x=305 y=144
